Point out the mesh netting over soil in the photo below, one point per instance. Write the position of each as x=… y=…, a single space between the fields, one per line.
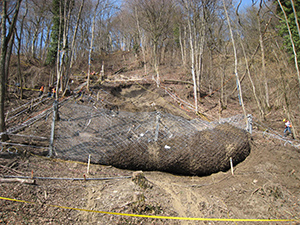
x=149 y=140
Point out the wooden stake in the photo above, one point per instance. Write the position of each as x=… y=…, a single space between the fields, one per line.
x=231 y=165
x=88 y=166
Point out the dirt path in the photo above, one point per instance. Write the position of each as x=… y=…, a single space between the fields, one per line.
x=176 y=202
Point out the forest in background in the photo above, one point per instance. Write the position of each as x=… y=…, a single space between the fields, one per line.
x=215 y=45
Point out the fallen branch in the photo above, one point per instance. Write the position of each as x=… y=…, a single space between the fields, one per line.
x=20 y=180
x=178 y=81
x=22 y=145
x=8 y=168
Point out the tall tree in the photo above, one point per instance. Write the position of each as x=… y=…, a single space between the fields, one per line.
x=62 y=45
x=188 y=7
x=91 y=46
x=235 y=63
x=7 y=29
x=262 y=49
x=56 y=35
x=19 y=38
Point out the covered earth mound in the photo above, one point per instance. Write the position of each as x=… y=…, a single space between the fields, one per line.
x=151 y=141
x=206 y=152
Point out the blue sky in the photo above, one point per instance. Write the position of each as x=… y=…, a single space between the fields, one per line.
x=246 y=3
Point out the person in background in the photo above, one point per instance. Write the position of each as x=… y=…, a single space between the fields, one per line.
x=53 y=92
x=288 y=126
x=41 y=91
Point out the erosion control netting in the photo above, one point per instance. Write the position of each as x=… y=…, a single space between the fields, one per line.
x=149 y=140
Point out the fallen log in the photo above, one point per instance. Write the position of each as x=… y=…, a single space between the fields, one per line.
x=14 y=180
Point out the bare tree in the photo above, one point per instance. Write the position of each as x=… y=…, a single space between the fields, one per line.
x=141 y=38
x=263 y=63
x=7 y=30
x=235 y=63
x=91 y=46
x=72 y=49
x=19 y=38
x=192 y=52
x=62 y=63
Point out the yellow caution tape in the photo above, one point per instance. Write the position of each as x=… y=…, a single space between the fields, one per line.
x=32 y=89
x=158 y=217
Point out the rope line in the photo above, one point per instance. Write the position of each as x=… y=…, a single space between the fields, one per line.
x=68 y=178
x=24 y=88
x=155 y=217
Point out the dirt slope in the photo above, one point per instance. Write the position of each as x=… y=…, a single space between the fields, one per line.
x=264 y=186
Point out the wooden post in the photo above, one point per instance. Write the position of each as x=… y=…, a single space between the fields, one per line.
x=249 y=124
x=231 y=165
x=88 y=166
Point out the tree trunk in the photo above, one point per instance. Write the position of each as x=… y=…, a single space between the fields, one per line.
x=263 y=63
x=72 y=47
x=140 y=38
x=41 y=45
x=200 y=51
x=192 y=53
x=156 y=67
x=75 y=34
x=182 y=49
x=35 y=36
x=18 y=52
x=65 y=68
x=235 y=64
x=2 y=70
x=58 y=57
x=91 y=48
x=8 y=55
x=5 y=37
x=262 y=114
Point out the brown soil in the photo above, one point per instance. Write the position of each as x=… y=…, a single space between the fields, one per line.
x=264 y=186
